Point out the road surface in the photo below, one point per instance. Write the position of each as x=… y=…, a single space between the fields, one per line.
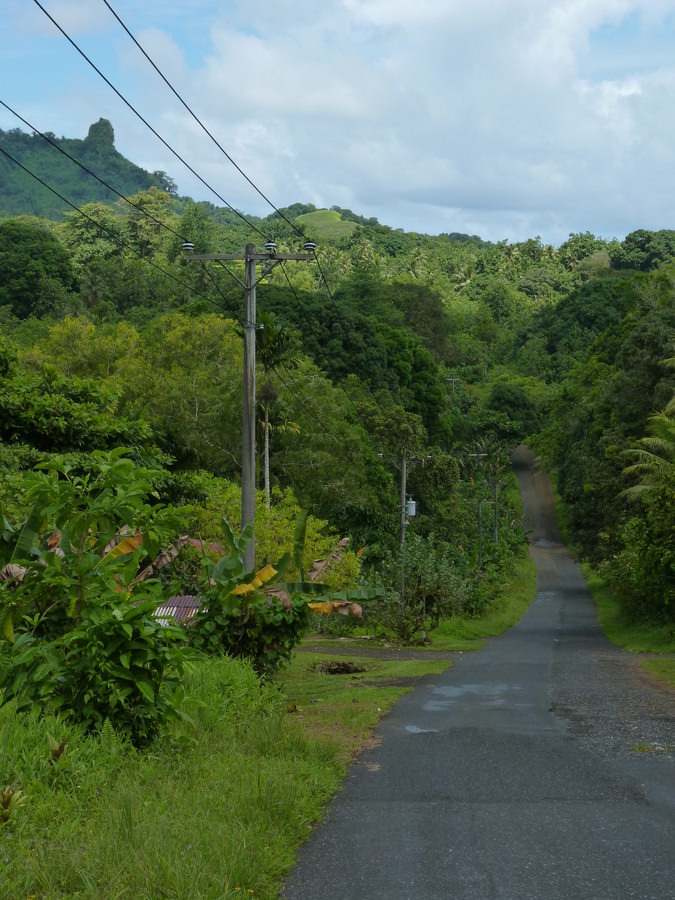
x=541 y=767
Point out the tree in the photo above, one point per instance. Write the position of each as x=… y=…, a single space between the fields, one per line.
x=644 y=250
x=36 y=274
x=76 y=346
x=185 y=379
x=644 y=571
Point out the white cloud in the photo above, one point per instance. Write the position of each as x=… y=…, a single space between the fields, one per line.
x=491 y=117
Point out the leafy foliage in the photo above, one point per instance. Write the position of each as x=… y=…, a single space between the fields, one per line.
x=237 y=617
x=59 y=414
x=36 y=274
x=423 y=585
x=644 y=571
x=84 y=638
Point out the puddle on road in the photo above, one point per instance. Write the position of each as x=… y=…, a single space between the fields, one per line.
x=493 y=695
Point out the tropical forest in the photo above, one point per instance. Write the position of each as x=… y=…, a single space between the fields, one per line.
x=395 y=374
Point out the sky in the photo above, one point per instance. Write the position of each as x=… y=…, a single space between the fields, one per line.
x=508 y=119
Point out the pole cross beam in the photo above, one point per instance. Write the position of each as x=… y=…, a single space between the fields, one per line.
x=258 y=257
x=251 y=257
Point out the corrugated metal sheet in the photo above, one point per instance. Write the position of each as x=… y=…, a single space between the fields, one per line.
x=181 y=608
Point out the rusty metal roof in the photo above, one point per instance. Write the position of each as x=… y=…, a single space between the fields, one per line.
x=180 y=608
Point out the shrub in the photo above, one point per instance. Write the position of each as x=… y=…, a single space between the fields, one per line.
x=79 y=624
x=238 y=618
x=422 y=585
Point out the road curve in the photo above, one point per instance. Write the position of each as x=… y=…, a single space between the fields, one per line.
x=519 y=773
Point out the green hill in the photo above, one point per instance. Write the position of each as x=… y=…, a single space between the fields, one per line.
x=21 y=194
x=326 y=224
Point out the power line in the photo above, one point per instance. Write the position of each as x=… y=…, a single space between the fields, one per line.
x=146 y=123
x=202 y=126
x=86 y=169
x=181 y=159
x=312 y=411
x=152 y=218
x=129 y=246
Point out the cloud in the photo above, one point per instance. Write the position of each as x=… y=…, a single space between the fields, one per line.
x=490 y=117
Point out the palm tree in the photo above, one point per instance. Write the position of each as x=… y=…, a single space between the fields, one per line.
x=655 y=457
x=276 y=348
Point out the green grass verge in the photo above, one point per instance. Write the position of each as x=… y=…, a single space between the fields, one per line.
x=342 y=710
x=470 y=633
x=633 y=635
x=213 y=810
x=662 y=669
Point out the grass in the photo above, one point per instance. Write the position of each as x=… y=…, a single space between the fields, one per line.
x=661 y=669
x=343 y=709
x=635 y=636
x=326 y=224
x=214 y=809
x=470 y=633
x=218 y=806
x=644 y=747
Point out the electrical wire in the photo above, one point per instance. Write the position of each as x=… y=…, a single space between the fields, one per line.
x=181 y=159
x=128 y=246
x=84 y=168
x=315 y=416
x=202 y=126
x=250 y=224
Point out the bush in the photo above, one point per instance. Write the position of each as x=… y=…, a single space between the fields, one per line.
x=239 y=619
x=117 y=662
x=79 y=630
x=423 y=585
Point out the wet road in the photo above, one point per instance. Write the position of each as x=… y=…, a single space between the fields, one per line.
x=515 y=774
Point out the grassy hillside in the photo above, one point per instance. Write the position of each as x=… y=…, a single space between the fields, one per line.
x=326 y=225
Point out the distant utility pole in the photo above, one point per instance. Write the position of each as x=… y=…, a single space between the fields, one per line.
x=404 y=478
x=251 y=257
x=453 y=381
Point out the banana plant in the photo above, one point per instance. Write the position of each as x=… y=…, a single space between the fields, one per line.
x=17 y=547
x=256 y=615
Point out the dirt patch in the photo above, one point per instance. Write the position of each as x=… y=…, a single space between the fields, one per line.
x=369 y=652
x=339 y=667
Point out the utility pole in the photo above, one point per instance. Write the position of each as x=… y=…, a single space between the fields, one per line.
x=251 y=257
x=453 y=381
x=404 y=476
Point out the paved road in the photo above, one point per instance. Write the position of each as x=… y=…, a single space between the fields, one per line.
x=514 y=774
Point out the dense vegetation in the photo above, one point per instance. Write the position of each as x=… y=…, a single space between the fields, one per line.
x=388 y=352
x=49 y=159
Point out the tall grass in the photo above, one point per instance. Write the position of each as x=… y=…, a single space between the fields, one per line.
x=214 y=810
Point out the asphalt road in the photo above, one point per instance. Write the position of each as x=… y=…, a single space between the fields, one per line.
x=517 y=773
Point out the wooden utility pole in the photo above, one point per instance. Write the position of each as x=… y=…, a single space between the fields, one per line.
x=251 y=257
